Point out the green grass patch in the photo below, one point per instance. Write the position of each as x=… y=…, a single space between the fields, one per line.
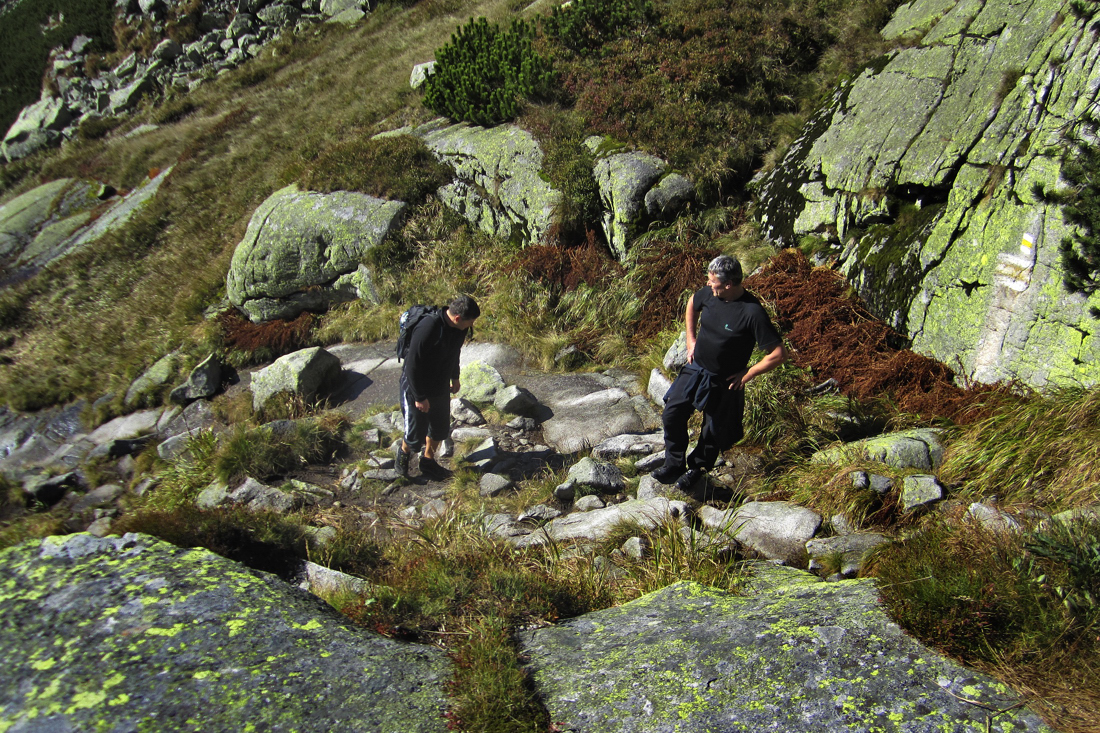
x=1043 y=450
x=1022 y=605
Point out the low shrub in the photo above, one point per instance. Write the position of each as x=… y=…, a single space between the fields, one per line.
x=399 y=167
x=585 y=25
x=269 y=451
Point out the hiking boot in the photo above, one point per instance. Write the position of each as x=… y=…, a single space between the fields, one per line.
x=401 y=462
x=686 y=482
x=668 y=474
x=434 y=471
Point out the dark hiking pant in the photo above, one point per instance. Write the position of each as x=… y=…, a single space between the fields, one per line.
x=722 y=426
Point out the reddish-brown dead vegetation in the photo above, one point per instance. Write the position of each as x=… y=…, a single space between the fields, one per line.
x=835 y=336
x=564 y=268
x=272 y=338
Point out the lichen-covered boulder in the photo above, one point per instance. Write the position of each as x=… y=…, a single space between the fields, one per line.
x=306 y=373
x=794 y=654
x=133 y=633
x=304 y=251
x=920 y=448
x=931 y=157
x=624 y=180
x=480 y=382
x=499 y=185
x=635 y=189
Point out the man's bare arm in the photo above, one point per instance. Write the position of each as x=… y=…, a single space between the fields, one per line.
x=691 y=324
x=771 y=360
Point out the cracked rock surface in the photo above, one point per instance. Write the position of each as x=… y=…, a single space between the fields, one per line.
x=922 y=172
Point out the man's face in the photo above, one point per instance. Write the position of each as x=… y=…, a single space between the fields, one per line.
x=717 y=286
x=464 y=323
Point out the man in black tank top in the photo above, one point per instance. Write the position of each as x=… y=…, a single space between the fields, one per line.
x=724 y=323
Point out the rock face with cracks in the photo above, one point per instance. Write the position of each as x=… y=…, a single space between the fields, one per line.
x=803 y=656
x=133 y=633
x=924 y=168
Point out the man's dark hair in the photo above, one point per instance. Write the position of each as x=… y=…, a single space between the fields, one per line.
x=464 y=307
x=727 y=269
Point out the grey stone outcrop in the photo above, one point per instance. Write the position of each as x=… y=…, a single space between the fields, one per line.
x=628 y=446
x=131 y=632
x=918 y=490
x=601 y=477
x=307 y=373
x=420 y=74
x=229 y=38
x=594 y=525
x=39 y=219
x=851 y=549
x=778 y=530
x=302 y=251
x=992 y=518
x=203 y=382
x=153 y=378
x=796 y=654
x=584 y=411
x=957 y=126
x=499 y=187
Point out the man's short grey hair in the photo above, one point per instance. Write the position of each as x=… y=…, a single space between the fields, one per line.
x=727 y=269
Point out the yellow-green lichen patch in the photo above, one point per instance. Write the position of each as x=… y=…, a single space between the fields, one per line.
x=805 y=657
x=220 y=644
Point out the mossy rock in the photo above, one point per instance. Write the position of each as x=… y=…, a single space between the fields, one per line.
x=133 y=633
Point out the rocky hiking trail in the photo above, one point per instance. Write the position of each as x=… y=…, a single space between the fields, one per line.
x=791 y=652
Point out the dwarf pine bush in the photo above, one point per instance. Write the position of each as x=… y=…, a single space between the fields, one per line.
x=484 y=73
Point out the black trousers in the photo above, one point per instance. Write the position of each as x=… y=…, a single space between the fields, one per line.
x=722 y=424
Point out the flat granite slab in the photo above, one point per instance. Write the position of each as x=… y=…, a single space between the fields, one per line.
x=794 y=655
x=135 y=634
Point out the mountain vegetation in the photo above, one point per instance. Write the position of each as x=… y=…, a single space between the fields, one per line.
x=716 y=87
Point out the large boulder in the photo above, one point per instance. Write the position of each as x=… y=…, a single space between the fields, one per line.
x=133 y=633
x=635 y=189
x=924 y=167
x=919 y=448
x=303 y=251
x=499 y=186
x=306 y=373
x=793 y=654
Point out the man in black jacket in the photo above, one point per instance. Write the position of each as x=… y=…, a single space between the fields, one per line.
x=430 y=376
x=730 y=322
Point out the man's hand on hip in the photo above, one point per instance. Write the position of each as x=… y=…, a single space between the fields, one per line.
x=455 y=386
x=423 y=405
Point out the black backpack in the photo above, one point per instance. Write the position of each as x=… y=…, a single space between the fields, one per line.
x=407 y=323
